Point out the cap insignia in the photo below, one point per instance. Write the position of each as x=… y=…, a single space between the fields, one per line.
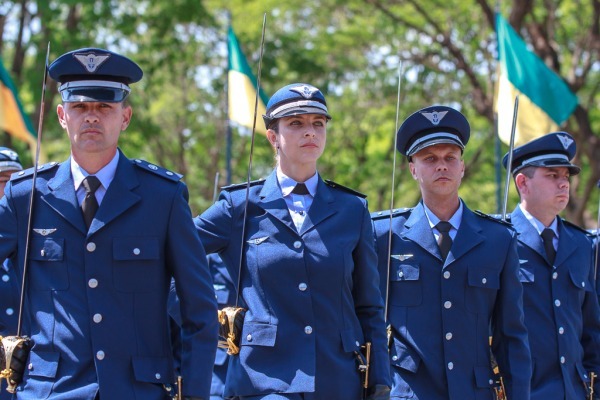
x=435 y=117
x=10 y=154
x=565 y=141
x=306 y=91
x=91 y=61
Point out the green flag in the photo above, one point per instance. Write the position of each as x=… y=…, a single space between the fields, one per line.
x=242 y=88
x=545 y=100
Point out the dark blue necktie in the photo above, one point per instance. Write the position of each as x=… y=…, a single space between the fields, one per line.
x=300 y=188
x=444 y=240
x=547 y=238
x=89 y=206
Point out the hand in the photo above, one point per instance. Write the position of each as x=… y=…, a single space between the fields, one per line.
x=378 y=392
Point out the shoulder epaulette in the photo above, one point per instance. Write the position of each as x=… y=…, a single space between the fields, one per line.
x=577 y=227
x=334 y=185
x=495 y=217
x=238 y=186
x=377 y=215
x=29 y=171
x=160 y=171
x=593 y=233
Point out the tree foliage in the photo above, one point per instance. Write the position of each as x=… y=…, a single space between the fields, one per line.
x=352 y=49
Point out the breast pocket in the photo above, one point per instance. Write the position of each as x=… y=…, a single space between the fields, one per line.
x=137 y=266
x=482 y=286
x=578 y=286
x=406 y=288
x=48 y=267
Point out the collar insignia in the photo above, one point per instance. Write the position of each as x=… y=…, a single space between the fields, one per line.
x=90 y=61
x=305 y=90
x=257 y=241
x=401 y=257
x=565 y=141
x=435 y=117
x=44 y=232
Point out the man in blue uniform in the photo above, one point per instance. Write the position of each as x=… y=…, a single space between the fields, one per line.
x=108 y=233
x=452 y=273
x=561 y=308
x=9 y=285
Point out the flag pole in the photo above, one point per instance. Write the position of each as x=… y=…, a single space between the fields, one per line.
x=228 y=127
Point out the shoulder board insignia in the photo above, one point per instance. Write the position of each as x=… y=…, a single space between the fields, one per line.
x=577 y=227
x=26 y=173
x=238 y=186
x=593 y=233
x=377 y=215
x=334 y=185
x=495 y=217
x=160 y=171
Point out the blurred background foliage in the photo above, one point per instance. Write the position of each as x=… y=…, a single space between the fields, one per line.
x=352 y=49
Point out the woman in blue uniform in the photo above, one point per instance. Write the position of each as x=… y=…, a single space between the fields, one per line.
x=308 y=274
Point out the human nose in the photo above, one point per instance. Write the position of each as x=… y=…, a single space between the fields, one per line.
x=310 y=131
x=564 y=182
x=91 y=116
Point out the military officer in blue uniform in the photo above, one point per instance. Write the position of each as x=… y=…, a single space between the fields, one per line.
x=108 y=233
x=452 y=273
x=308 y=273
x=561 y=307
x=9 y=285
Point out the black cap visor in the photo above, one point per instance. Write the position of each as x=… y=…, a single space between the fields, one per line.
x=94 y=91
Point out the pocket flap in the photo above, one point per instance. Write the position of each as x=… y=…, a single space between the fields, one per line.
x=153 y=369
x=136 y=248
x=484 y=377
x=404 y=357
x=259 y=334
x=579 y=280
x=43 y=364
x=47 y=249
x=484 y=278
x=351 y=340
x=405 y=272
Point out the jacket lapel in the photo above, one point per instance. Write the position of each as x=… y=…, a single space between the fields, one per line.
x=119 y=197
x=528 y=235
x=419 y=231
x=321 y=208
x=62 y=198
x=468 y=236
x=567 y=244
x=272 y=201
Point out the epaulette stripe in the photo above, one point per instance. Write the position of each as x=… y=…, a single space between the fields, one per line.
x=495 y=217
x=162 y=172
x=377 y=215
x=242 y=185
x=29 y=171
x=332 y=184
x=571 y=224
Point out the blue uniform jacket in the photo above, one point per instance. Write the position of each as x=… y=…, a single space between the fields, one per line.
x=98 y=299
x=312 y=296
x=9 y=309
x=225 y=295
x=440 y=313
x=561 y=311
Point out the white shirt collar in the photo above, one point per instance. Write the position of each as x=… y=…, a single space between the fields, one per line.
x=106 y=174
x=287 y=184
x=539 y=227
